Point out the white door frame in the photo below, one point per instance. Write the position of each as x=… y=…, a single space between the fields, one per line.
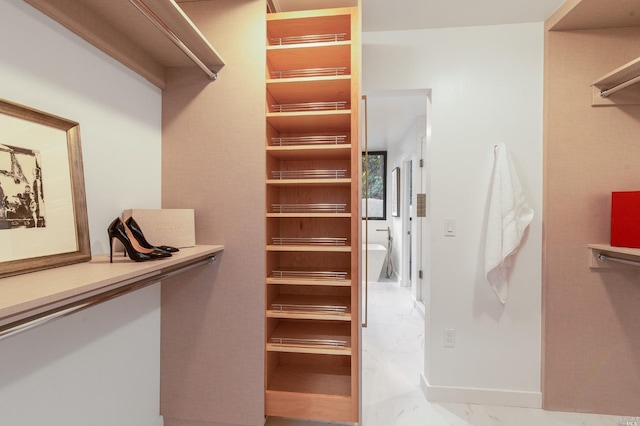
x=408 y=229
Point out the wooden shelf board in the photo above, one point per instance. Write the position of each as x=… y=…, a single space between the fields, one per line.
x=308 y=281
x=318 y=350
x=317 y=300
x=310 y=215
x=323 y=121
x=624 y=253
x=311 y=152
x=316 y=55
x=310 y=405
x=307 y=315
x=311 y=330
x=334 y=381
x=626 y=96
x=634 y=252
x=29 y=294
x=286 y=24
x=594 y=14
x=309 y=248
x=311 y=300
x=619 y=75
x=121 y=31
x=320 y=89
x=309 y=182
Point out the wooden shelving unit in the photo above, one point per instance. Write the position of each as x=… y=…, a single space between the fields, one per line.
x=312 y=215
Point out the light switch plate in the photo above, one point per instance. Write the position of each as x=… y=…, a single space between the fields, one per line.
x=449 y=226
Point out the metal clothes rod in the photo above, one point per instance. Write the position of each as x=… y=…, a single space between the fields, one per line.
x=174 y=38
x=606 y=258
x=29 y=323
x=607 y=92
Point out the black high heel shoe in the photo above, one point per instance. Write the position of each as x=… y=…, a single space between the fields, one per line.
x=117 y=229
x=138 y=235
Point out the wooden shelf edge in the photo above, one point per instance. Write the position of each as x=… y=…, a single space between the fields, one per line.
x=308 y=182
x=272 y=347
x=313 y=13
x=619 y=75
x=593 y=14
x=346 y=317
x=309 y=215
x=325 y=407
x=318 y=79
x=328 y=152
x=327 y=113
x=555 y=22
x=307 y=148
x=324 y=44
x=309 y=248
x=114 y=26
x=26 y=295
x=328 y=283
x=629 y=95
x=617 y=257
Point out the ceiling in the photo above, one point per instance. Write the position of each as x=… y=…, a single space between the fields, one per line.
x=383 y=15
x=391 y=114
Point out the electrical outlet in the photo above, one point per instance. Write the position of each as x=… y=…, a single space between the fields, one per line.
x=449 y=337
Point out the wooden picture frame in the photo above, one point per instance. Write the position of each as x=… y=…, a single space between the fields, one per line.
x=395 y=192
x=43 y=212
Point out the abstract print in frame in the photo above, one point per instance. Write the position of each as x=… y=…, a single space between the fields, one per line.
x=43 y=213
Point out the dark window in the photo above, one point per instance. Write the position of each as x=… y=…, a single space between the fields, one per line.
x=376 y=183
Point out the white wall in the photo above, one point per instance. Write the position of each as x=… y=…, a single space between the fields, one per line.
x=486 y=87
x=101 y=366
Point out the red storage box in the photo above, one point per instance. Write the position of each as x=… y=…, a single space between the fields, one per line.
x=625 y=219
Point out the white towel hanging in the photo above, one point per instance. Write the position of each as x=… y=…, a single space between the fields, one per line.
x=509 y=217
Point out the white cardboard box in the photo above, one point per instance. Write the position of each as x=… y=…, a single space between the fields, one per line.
x=169 y=227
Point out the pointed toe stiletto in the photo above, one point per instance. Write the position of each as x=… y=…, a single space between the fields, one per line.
x=118 y=230
x=139 y=236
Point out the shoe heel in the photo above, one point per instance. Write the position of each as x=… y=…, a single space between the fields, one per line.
x=118 y=230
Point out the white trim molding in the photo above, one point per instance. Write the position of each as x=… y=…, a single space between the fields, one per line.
x=502 y=397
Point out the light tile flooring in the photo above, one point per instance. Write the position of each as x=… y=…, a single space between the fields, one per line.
x=392 y=363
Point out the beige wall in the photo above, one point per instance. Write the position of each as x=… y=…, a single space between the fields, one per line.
x=591 y=318
x=213 y=161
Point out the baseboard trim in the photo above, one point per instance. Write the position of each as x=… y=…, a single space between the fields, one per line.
x=508 y=398
x=419 y=307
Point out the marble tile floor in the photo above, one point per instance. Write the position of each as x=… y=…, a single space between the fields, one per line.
x=392 y=363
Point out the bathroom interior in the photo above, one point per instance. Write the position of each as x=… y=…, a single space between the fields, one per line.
x=396 y=132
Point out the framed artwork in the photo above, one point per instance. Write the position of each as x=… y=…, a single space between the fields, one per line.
x=43 y=212
x=395 y=192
